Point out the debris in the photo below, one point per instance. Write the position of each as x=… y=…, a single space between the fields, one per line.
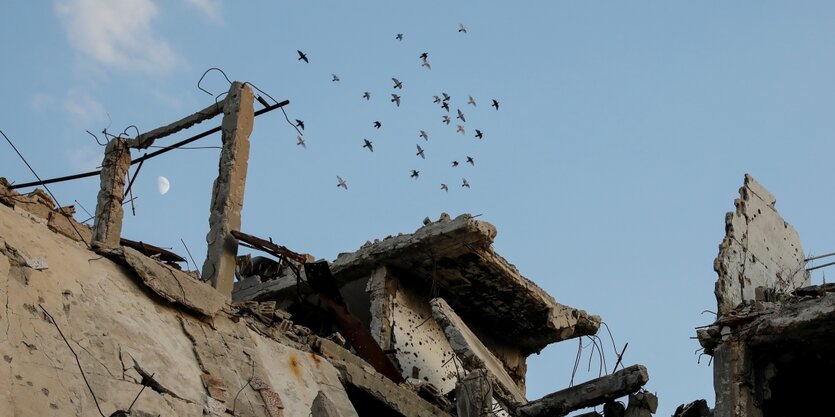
x=37 y=263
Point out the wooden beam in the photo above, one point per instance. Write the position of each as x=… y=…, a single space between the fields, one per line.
x=588 y=394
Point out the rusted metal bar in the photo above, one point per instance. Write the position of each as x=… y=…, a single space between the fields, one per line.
x=269 y=247
x=320 y=279
x=151 y=250
x=148 y=156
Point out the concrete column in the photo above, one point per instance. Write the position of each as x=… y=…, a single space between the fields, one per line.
x=107 y=228
x=228 y=190
x=733 y=381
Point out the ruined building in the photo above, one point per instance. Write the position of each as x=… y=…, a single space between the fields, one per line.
x=772 y=341
x=432 y=323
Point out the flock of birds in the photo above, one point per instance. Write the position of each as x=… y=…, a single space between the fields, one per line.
x=443 y=100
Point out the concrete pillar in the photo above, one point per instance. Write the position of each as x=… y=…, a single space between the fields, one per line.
x=733 y=381
x=107 y=228
x=474 y=395
x=228 y=190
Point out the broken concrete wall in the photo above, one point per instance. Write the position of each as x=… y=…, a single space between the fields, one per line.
x=760 y=249
x=402 y=322
x=124 y=332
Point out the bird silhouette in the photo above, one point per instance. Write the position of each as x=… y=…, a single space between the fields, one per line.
x=478 y=134
x=368 y=145
x=424 y=135
x=302 y=56
x=446 y=96
x=414 y=174
x=495 y=104
x=436 y=99
x=395 y=99
x=446 y=119
x=424 y=56
x=342 y=183
x=444 y=187
x=465 y=183
x=445 y=106
x=460 y=115
x=366 y=95
x=460 y=129
x=397 y=83
x=454 y=164
x=420 y=152
x=426 y=64
x=399 y=37
x=300 y=142
x=335 y=77
x=377 y=124
x=470 y=160
x=471 y=101
x=300 y=124
x=461 y=28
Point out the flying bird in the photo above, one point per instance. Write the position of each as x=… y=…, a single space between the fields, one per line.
x=445 y=106
x=460 y=116
x=446 y=96
x=377 y=124
x=397 y=83
x=460 y=129
x=414 y=174
x=470 y=160
x=395 y=99
x=302 y=56
x=300 y=124
x=399 y=37
x=424 y=56
x=446 y=119
x=368 y=145
x=465 y=183
x=454 y=164
x=420 y=152
x=478 y=134
x=426 y=64
x=424 y=135
x=471 y=101
x=495 y=104
x=444 y=187
x=300 y=142
x=335 y=77
x=342 y=183
x=436 y=100
x=366 y=95
x=461 y=28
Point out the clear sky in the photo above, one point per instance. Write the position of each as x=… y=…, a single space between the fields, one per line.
x=623 y=133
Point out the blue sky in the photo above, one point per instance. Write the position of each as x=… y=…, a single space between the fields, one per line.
x=623 y=135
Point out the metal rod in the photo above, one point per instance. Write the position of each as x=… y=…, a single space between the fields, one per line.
x=819 y=256
x=820 y=266
x=148 y=156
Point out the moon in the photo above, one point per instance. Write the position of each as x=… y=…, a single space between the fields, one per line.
x=163 y=185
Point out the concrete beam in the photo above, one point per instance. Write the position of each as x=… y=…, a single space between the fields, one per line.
x=147 y=139
x=588 y=394
x=474 y=354
x=107 y=228
x=228 y=190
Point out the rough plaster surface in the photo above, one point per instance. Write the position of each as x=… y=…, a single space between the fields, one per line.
x=122 y=330
x=473 y=353
x=456 y=257
x=422 y=350
x=298 y=376
x=228 y=191
x=760 y=249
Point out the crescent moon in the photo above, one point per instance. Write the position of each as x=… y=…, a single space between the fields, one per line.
x=163 y=185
